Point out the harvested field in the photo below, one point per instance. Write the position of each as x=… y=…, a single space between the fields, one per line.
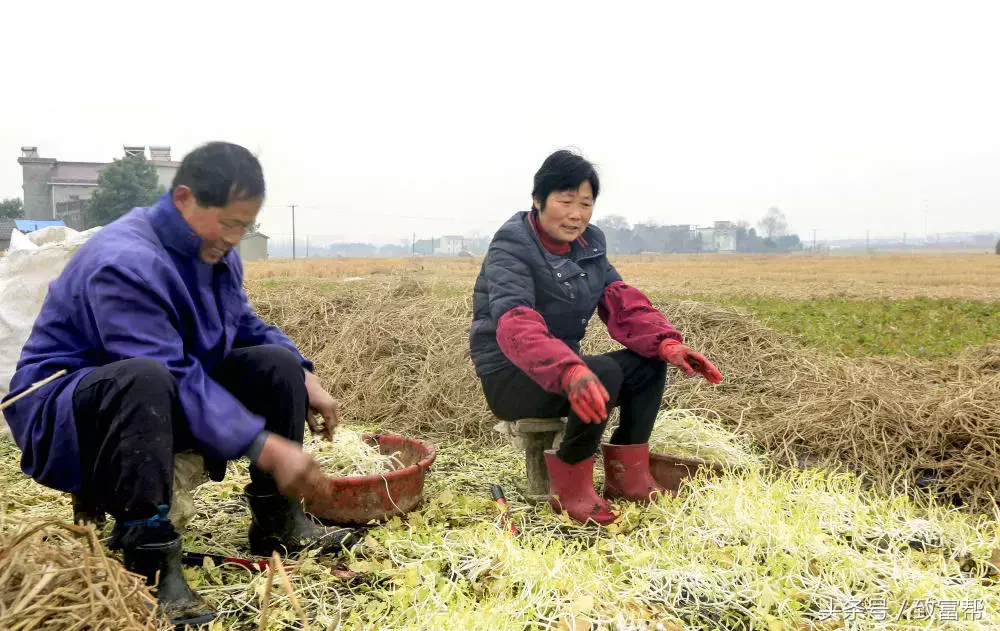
x=395 y=352
x=794 y=276
x=855 y=540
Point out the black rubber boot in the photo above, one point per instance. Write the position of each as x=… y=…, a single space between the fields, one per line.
x=87 y=511
x=160 y=563
x=279 y=523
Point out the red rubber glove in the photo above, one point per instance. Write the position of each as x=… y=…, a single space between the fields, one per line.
x=688 y=361
x=586 y=393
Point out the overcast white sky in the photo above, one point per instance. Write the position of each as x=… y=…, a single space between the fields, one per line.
x=382 y=119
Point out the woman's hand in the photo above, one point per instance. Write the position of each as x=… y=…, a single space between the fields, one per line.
x=322 y=404
x=587 y=395
x=688 y=361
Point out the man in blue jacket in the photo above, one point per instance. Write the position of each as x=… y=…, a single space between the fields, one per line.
x=164 y=353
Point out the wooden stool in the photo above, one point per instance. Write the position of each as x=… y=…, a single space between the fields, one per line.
x=538 y=435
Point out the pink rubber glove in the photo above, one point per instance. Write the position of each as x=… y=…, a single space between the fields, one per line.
x=587 y=395
x=688 y=361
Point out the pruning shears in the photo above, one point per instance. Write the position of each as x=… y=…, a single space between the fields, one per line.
x=257 y=564
x=501 y=502
x=197 y=559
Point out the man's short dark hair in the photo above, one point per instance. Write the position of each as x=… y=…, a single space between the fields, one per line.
x=220 y=172
x=562 y=171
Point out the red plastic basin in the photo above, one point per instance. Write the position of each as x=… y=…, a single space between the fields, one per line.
x=670 y=471
x=359 y=499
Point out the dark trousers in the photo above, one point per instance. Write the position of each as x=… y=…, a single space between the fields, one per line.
x=634 y=384
x=130 y=424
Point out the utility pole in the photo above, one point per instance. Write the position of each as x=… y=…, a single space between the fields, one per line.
x=307 y=246
x=868 y=241
x=413 y=245
x=927 y=236
x=814 y=240
x=293 y=231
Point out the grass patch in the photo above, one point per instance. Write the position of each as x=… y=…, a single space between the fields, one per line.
x=919 y=327
x=926 y=328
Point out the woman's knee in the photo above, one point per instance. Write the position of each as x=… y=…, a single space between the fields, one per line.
x=656 y=371
x=608 y=371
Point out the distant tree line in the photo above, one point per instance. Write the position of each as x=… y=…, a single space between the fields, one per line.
x=122 y=185
x=770 y=235
x=11 y=208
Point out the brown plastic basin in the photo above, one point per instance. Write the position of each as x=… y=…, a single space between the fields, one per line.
x=359 y=499
x=670 y=471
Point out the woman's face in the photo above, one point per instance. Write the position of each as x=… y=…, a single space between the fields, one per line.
x=565 y=214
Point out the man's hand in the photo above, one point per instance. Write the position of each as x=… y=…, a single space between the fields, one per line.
x=587 y=395
x=297 y=474
x=688 y=361
x=321 y=403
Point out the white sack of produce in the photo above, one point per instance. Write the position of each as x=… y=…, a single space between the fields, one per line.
x=32 y=262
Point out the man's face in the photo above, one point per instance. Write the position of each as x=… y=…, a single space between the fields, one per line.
x=220 y=227
x=566 y=214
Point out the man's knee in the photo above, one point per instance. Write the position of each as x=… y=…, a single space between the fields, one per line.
x=128 y=400
x=145 y=377
x=280 y=363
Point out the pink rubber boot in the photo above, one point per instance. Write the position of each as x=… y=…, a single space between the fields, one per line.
x=571 y=489
x=626 y=473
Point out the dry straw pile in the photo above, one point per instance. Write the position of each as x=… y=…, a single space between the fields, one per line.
x=889 y=420
x=395 y=352
x=57 y=576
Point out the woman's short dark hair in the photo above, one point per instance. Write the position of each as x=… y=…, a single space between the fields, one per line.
x=561 y=171
x=220 y=172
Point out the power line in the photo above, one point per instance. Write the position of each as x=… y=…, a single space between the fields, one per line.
x=391 y=215
x=293 y=231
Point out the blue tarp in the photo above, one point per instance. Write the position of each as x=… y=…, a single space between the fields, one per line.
x=30 y=225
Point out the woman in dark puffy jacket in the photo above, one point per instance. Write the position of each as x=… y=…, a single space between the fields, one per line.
x=545 y=274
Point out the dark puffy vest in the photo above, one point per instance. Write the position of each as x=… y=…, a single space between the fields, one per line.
x=519 y=272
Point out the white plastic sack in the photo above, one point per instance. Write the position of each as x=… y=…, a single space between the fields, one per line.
x=32 y=262
x=189 y=474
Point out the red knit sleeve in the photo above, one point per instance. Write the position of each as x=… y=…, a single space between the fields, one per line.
x=633 y=321
x=526 y=341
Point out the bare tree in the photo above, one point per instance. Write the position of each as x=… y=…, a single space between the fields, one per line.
x=617 y=232
x=612 y=222
x=774 y=224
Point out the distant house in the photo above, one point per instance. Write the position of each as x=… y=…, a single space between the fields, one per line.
x=54 y=189
x=253 y=246
x=720 y=237
x=450 y=245
x=424 y=246
x=725 y=236
x=6 y=227
x=707 y=237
